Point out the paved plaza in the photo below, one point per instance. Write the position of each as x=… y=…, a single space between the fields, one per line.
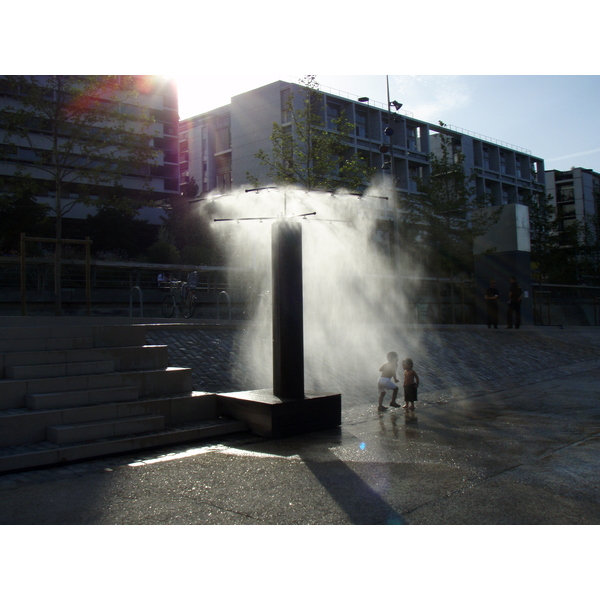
x=506 y=431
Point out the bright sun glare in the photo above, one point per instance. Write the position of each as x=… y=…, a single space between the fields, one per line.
x=200 y=92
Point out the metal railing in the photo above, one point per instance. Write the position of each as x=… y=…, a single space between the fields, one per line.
x=556 y=304
x=141 y=297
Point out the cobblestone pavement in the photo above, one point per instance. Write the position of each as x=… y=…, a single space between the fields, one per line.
x=543 y=384
x=466 y=357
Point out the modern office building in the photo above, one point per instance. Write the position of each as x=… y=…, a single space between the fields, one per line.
x=576 y=194
x=159 y=176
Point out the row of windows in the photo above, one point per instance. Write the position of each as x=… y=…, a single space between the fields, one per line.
x=502 y=194
x=415 y=137
x=32 y=155
x=367 y=126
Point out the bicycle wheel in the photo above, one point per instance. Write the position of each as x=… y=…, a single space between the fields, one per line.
x=188 y=306
x=168 y=306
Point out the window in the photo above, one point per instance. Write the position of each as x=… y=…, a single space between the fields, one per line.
x=171 y=156
x=169 y=129
x=414 y=172
x=28 y=154
x=224 y=182
x=286 y=116
x=411 y=137
x=456 y=150
x=364 y=156
x=224 y=173
x=568 y=210
x=361 y=123
x=8 y=150
x=287 y=148
x=334 y=110
x=486 y=157
x=519 y=167
x=223 y=138
x=565 y=193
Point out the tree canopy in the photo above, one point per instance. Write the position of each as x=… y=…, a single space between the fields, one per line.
x=73 y=138
x=562 y=253
x=441 y=220
x=70 y=133
x=311 y=152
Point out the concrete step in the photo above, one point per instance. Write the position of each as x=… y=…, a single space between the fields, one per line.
x=80 y=398
x=41 y=344
x=109 y=428
x=150 y=382
x=59 y=369
x=125 y=357
x=24 y=426
x=73 y=393
x=36 y=455
x=56 y=337
x=45 y=332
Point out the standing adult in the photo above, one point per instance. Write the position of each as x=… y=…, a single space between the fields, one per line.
x=515 y=295
x=491 y=300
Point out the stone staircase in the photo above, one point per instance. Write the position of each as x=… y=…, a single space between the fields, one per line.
x=75 y=392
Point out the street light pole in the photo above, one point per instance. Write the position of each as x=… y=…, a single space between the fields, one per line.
x=391 y=131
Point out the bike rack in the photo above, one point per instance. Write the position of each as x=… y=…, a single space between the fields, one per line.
x=219 y=304
x=139 y=289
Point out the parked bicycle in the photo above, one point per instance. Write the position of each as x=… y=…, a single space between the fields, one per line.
x=182 y=295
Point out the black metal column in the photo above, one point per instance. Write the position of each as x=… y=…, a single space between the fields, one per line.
x=288 y=322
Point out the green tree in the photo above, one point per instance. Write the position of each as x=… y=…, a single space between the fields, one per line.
x=76 y=133
x=441 y=220
x=188 y=224
x=591 y=245
x=20 y=212
x=163 y=250
x=118 y=232
x=543 y=234
x=560 y=253
x=311 y=152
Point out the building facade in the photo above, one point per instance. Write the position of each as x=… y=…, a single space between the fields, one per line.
x=218 y=148
x=158 y=178
x=576 y=195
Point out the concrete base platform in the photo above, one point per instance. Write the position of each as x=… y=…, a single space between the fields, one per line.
x=267 y=415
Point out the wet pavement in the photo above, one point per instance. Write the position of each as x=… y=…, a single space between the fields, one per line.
x=504 y=433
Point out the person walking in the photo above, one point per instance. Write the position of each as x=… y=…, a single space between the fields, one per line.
x=515 y=295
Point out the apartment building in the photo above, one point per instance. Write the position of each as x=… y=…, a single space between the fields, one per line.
x=159 y=177
x=576 y=194
x=218 y=148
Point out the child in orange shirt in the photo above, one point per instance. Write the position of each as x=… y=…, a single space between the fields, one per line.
x=411 y=383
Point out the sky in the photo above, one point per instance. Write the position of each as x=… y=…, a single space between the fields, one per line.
x=554 y=117
x=518 y=72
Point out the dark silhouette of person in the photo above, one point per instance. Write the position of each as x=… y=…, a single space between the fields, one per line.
x=515 y=295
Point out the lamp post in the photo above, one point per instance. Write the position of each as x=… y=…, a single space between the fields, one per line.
x=390 y=161
x=390 y=132
x=385 y=148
